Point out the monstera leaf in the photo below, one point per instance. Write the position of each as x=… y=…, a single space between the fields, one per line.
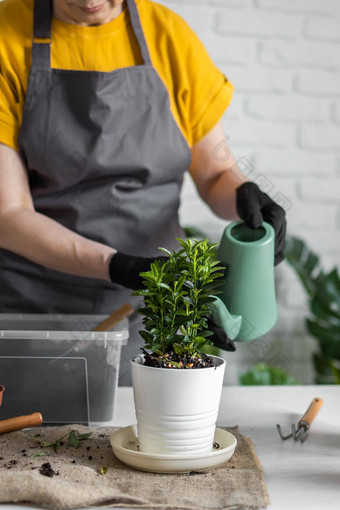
x=305 y=262
x=324 y=296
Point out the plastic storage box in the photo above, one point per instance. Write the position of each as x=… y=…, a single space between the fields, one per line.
x=56 y=365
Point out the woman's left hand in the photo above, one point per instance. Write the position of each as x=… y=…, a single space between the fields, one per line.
x=219 y=337
x=229 y=193
x=254 y=207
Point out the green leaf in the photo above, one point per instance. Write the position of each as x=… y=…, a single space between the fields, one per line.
x=328 y=290
x=103 y=470
x=326 y=332
x=72 y=439
x=304 y=261
x=81 y=437
x=56 y=445
x=148 y=313
x=46 y=445
x=324 y=312
x=148 y=275
x=165 y=250
x=40 y=454
x=164 y=286
x=178 y=349
x=322 y=365
x=324 y=292
x=189 y=284
x=146 y=336
x=146 y=292
x=175 y=364
x=180 y=283
x=206 y=333
x=335 y=371
x=199 y=339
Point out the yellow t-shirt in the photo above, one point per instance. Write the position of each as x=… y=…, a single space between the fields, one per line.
x=199 y=93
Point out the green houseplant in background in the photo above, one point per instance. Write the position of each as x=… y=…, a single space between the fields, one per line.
x=323 y=292
x=265 y=375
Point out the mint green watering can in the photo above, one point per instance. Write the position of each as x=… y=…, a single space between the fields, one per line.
x=247 y=308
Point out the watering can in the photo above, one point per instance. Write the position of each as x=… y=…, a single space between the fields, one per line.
x=246 y=309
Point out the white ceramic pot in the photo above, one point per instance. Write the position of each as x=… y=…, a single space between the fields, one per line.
x=176 y=409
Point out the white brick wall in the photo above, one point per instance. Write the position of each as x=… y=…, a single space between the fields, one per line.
x=317 y=83
x=283 y=57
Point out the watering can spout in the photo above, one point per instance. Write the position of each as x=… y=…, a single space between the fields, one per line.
x=230 y=323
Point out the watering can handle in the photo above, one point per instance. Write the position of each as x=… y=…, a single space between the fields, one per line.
x=231 y=324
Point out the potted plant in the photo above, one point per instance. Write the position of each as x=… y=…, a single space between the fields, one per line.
x=177 y=388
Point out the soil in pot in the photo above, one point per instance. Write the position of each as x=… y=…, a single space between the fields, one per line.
x=172 y=360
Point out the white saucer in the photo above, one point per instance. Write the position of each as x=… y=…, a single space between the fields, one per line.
x=124 y=443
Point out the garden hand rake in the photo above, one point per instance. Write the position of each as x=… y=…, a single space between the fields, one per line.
x=300 y=432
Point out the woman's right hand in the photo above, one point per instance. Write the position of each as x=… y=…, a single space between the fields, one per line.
x=125 y=269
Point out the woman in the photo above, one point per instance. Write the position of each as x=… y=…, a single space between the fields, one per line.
x=100 y=117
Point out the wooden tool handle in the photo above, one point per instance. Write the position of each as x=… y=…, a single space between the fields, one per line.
x=20 y=422
x=2 y=389
x=312 y=411
x=115 y=318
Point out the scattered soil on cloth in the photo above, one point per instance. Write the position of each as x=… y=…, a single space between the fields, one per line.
x=46 y=470
x=176 y=361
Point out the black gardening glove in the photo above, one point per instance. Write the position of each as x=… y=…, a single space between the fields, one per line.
x=219 y=338
x=125 y=269
x=254 y=207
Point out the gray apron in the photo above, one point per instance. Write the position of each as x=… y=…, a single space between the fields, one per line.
x=105 y=158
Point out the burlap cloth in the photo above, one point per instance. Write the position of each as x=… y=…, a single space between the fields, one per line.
x=236 y=484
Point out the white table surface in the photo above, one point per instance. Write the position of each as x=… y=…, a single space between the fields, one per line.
x=298 y=476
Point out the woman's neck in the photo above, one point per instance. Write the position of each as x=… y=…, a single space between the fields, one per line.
x=76 y=12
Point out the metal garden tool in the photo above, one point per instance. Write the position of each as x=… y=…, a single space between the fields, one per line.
x=300 y=432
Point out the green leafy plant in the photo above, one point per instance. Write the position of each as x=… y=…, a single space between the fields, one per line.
x=323 y=292
x=178 y=297
x=266 y=375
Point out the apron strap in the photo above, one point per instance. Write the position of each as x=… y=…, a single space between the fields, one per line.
x=137 y=28
x=41 y=49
